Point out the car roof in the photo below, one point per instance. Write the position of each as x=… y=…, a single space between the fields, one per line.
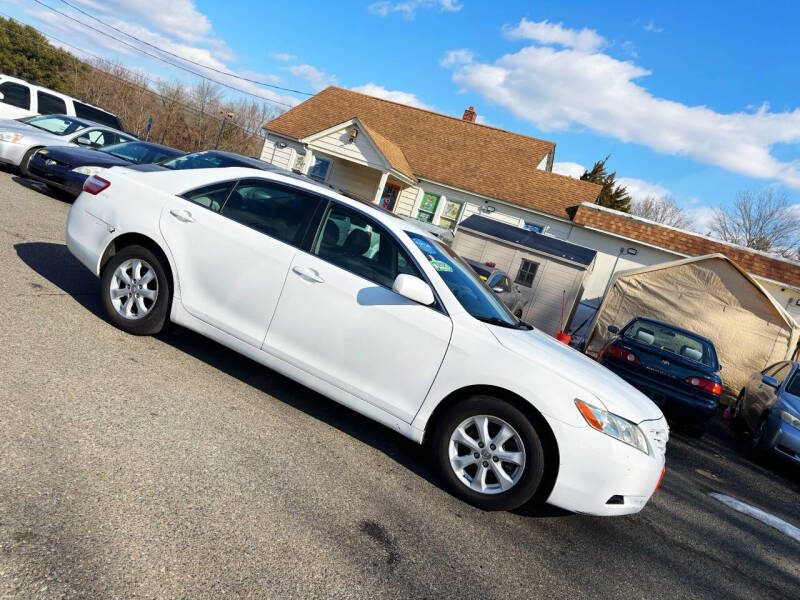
x=671 y=326
x=180 y=181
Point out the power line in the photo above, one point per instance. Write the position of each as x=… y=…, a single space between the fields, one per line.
x=227 y=73
x=162 y=59
x=132 y=83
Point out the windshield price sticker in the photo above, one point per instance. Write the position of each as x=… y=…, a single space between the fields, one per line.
x=441 y=266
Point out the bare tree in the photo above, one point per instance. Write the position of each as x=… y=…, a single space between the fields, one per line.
x=662 y=210
x=762 y=220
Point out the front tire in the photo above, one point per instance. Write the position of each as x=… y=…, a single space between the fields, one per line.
x=488 y=453
x=26 y=160
x=135 y=291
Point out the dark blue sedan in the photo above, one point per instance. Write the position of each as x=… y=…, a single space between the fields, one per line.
x=676 y=368
x=66 y=167
x=769 y=408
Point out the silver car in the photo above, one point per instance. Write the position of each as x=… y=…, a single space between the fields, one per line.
x=21 y=138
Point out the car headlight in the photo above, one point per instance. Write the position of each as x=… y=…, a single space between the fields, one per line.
x=614 y=426
x=790 y=419
x=88 y=170
x=10 y=136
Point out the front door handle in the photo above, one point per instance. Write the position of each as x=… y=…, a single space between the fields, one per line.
x=308 y=274
x=184 y=216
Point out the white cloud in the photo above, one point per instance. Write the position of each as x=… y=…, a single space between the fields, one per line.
x=701 y=218
x=457 y=57
x=481 y=120
x=282 y=56
x=544 y=32
x=639 y=189
x=559 y=89
x=315 y=77
x=570 y=169
x=379 y=91
x=652 y=27
x=408 y=8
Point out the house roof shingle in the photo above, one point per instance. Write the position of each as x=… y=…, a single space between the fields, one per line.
x=481 y=159
x=391 y=151
x=757 y=263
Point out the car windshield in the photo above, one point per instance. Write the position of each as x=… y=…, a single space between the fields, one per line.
x=55 y=124
x=477 y=299
x=202 y=160
x=673 y=341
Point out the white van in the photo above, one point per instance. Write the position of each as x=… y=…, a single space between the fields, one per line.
x=18 y=98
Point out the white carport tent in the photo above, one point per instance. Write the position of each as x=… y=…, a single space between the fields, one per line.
x=709 y=295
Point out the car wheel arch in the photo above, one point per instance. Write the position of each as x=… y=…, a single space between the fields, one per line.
x=130 y=239
x=548 y=439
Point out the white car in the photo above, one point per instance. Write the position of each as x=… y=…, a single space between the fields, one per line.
x=18 y=98
x=407 y=335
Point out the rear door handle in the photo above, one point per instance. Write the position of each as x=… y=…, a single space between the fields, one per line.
x=308 y=274
x=184 y=216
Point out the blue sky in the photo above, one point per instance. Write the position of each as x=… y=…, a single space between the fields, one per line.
x=696 y=100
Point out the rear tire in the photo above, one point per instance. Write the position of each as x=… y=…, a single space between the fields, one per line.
x=737 y=422
x=494 y=479
x=757 y=441
x=135 y=291
x=26 y=159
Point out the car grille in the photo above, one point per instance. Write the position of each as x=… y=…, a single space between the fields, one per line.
x=658 y=436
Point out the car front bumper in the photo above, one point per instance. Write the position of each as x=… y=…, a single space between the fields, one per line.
x=674 y=402
x=595 y=468
x=782 y=438
x=56 y=175
x=11 y=153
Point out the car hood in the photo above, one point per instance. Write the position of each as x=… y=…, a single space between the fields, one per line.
x=617 y=395
x=77 y=157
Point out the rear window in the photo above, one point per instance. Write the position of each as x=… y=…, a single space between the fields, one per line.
x=84 y=111
x=202 y=160
x=673 y=341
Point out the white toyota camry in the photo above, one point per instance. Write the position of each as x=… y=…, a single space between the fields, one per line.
x=375 y=313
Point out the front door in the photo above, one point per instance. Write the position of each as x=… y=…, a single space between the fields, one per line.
x=233 y=244
x=339 y=319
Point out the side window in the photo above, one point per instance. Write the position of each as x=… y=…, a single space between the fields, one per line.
x=279 y=211
x=50 y=105
x=527 y=273
x=356 y=243
x=781 y=373
x=494 y=280
x=771 y=369
x=212 y=196
x=16 y=95
x=100 y=137
x=84 y=111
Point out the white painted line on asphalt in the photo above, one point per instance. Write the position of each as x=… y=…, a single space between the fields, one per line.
x=766 y=518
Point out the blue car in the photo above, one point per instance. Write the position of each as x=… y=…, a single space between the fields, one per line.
x=769 y=408
x=676 y=368
x=65 y=168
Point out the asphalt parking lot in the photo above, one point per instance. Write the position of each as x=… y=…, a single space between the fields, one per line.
x=171 y=467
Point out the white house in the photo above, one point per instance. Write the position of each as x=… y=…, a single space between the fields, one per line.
x=441 y=169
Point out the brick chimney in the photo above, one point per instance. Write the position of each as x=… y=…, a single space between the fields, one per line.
x=470 y=115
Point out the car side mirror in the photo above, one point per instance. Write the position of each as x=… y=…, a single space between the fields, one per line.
x=613 y=329
x=770 y=381
x=413 y=288
x=84 y=141
x=498 y=289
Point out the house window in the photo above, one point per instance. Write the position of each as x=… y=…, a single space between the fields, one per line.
x=319 y=170
x=450 y=214
x=389 y=197
x=427 y=208
x=527 y=273
x=532 y=227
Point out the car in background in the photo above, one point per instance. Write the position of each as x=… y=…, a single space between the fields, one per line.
x=66 y=168
x=215 y=159
x=407 y=335
x=20 y=139
x=18 y=99
x=501 y=285
x=676 y=368
x=768 y=407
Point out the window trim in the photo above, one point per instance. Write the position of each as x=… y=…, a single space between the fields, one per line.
x=519 y=271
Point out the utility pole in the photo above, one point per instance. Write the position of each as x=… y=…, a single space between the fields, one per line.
x=225 y=116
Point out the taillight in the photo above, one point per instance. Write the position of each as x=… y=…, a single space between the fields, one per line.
x=95 y=184
x=622 y=354
x=712 y=387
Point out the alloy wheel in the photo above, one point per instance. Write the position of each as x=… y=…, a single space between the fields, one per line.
x=134 y=288
x=487 y=454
